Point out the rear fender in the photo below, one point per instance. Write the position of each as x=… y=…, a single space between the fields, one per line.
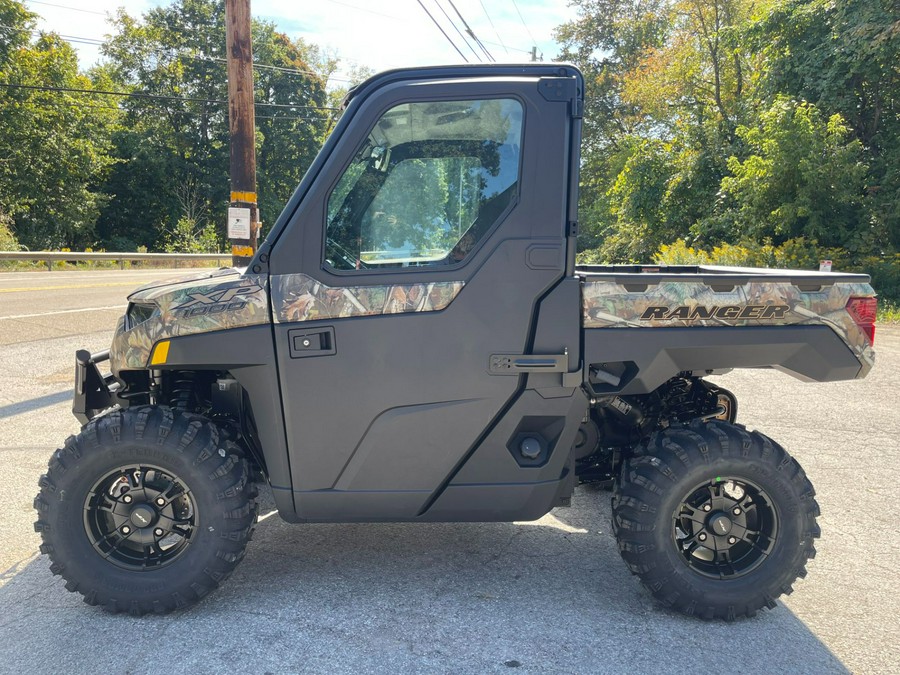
x=638 y=360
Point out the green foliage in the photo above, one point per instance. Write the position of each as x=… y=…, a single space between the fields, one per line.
x=885 y=273
x=54 y=145
x=637 y=199
x=607 y=40
x=801 y=175
x=8 y=240
x=843 y=56
x=739 y=121
x=888 y=313
x=188 y=237
x=178 y=51
x=78 y=170
x=796 y=253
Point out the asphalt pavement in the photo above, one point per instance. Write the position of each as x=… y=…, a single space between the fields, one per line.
x=549 y=596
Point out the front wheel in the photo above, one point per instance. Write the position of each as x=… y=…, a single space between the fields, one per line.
x=146 y=510
x=716 y=521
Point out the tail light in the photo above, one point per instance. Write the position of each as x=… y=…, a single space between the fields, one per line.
x=863 y=312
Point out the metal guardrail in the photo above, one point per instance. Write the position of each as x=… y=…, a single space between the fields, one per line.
x=81 y=256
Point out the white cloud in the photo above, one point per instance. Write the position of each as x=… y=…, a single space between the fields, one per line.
x=379 y=35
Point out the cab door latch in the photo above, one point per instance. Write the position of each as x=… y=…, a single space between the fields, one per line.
x=305 y=342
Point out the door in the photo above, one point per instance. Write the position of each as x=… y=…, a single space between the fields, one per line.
x=421 y=249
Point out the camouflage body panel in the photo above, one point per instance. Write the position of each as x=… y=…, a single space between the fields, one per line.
x=228 y=299
x=297 y=297
x=607 y=304
x=197 y=305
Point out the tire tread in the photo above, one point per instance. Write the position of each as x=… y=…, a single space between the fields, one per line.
x=181 y=433
x=657 y=467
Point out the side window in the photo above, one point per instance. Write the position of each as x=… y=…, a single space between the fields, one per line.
x=429 y=183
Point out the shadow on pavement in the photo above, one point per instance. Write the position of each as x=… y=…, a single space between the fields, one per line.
x=550 y=596
x=32 y=404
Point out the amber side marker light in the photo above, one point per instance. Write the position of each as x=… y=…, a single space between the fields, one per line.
x=160 y=353
x=863 y=311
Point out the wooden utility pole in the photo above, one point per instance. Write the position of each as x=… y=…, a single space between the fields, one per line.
x=243 y=215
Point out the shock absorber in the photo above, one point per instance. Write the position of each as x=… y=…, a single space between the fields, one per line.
x=182 y=388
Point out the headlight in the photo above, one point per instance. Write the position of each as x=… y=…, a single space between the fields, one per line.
x=139 y=313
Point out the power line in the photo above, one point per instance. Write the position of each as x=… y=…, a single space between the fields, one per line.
x=490 y=21
x=500 y=44
x=459 y=32
x=171 y=52
x=80 y=104
x=516 y=5
x=74 y=9
x=158 y=97
x=471 y=32
x=279 y=117
x=442 y=31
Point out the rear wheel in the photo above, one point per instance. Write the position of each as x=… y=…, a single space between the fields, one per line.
x=716 y=521
x=146 y=510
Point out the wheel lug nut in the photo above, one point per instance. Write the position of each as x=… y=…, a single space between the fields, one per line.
x=702 y=537
x=737 y=511
x=127 y=499
x=732 y=540
x=160 y=501
x=125 y=529
x=158 y=532
x=707 y=507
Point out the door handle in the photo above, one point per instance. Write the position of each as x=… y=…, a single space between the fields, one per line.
x=303 y=342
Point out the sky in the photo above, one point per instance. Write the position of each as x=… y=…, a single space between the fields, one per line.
x=378 y=34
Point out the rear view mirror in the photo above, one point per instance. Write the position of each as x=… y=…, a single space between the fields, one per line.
x=380 y=158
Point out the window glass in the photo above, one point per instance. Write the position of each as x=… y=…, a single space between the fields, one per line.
x=427 y=186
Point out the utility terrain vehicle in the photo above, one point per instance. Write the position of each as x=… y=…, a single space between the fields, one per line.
x=413 y=341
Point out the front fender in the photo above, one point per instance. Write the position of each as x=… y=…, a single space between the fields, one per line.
x=189 y=308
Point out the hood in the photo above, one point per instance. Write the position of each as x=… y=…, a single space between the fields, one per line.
x=197 y=278
x=203 y=303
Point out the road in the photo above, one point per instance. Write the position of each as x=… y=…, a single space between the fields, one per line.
x=549 y=596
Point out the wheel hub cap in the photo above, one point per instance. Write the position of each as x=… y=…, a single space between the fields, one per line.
x=720 y=524
x=143 y=515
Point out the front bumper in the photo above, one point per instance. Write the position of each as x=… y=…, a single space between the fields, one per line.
x=94 y=392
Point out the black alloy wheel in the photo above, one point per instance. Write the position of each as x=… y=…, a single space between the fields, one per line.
x=715 y=520
x=146 y=510
x=140 y=517
x=725 y=528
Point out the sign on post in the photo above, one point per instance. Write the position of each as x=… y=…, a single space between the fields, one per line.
x=238 y=223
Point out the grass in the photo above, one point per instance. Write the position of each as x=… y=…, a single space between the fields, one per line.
x=888 y=312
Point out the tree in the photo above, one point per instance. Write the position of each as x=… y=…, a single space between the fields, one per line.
x=290 y=136
x=607 y=40
x=176 y=129
x=726 y=121
x=843 y=57
x=701 y=71
x=804 y=175
x=8 y=240
x=54 y=145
